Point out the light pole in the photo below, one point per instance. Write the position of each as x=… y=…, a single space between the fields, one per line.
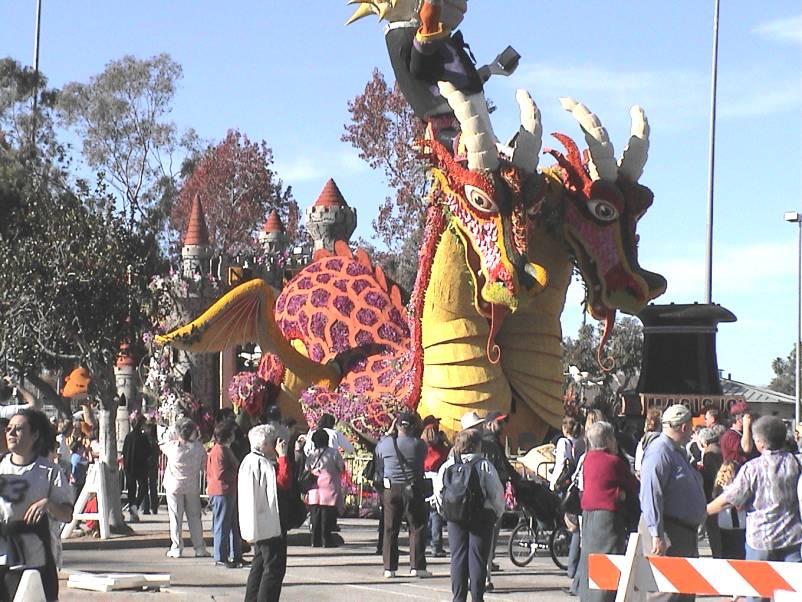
x=795 y=218
x=36 y=70
x=711 y=161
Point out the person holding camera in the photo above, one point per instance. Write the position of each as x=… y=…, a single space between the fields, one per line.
x=737 y=443
x=400 y=457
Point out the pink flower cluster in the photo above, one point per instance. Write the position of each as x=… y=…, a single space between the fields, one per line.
x=248 y=392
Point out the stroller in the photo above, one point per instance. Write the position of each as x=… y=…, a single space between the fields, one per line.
x=540 y=529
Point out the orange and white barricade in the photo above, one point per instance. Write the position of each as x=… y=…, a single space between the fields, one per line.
x=702 y=576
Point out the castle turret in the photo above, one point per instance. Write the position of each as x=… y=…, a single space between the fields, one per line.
x=274 y=244
x=330 y=219
x=125 y=377
x=196 y=252
x=200 y=371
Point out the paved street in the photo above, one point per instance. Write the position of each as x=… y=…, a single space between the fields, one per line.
x=353 y=572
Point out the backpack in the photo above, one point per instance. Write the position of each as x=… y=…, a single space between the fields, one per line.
x=463 y=498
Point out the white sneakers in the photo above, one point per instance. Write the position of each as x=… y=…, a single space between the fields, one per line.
x=133 y=515
x=204 y=553
x=420 y=573
x=389 y=574
x=172 y=553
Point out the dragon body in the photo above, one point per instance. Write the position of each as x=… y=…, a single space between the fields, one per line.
x=481 y=331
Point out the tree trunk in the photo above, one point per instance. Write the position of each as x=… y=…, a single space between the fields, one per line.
x=107 y=426
x=108 y=459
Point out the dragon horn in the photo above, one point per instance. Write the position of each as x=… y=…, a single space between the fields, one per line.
x=637 y=150
x=477 y=132
x=364 y=9
x=602 y=164
x=526 y=149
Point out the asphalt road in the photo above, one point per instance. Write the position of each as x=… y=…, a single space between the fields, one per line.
x=347 y=574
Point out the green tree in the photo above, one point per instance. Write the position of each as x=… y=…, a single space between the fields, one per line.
x=121 y=117
x=625 y=347
x=784 y=381
x=73 y=275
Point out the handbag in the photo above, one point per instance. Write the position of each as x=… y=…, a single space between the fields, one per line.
x=307 y=480
x=572 y=501
x=411 y=485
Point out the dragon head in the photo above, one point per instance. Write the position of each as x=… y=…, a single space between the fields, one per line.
x=601 y=211
x=490 y=199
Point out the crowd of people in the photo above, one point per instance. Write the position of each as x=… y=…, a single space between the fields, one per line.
x=737 y=485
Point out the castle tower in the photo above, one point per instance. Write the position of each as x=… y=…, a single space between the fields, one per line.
x=330 y=219
x=274 y=243
x=196 y=252
x=201 y=371
x=125 y=378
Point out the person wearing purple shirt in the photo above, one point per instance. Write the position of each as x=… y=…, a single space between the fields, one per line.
x=768 y=487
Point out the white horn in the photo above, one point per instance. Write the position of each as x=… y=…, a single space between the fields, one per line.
x=637 y=150
x=602 y=156
x=477 y=132
x=526 y=149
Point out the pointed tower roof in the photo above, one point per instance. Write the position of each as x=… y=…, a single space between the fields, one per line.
x=273 y=223
x=331 y=196
x=197 y=233
x=124 y=357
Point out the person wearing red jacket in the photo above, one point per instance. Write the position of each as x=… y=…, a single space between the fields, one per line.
x=607 y=482
x=221 y=487
x=438 y=450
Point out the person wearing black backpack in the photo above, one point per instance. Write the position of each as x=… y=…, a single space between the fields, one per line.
x=471 y=496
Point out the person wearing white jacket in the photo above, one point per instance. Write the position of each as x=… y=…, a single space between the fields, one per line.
x=261 y=474
x=186 y=458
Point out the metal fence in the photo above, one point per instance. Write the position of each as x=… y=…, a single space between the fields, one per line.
x=358 y=491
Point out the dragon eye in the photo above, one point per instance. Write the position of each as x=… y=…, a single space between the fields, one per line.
x=602 y=210
x=480 y=200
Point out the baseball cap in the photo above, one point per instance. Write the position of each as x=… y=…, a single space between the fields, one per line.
x=676 y=414
x=470 y=420
x=430 y=420
x=405 y=419
x=493 y=416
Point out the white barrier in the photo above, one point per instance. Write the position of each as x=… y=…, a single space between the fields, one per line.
x=30 y=588
x=635 y=573
x=97 y=485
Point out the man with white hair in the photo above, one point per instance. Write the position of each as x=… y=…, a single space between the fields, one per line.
x=672 y=497
x=262 y=473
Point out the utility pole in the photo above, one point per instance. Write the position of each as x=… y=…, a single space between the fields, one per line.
x=795 y=217
x=36 y=71
x=712 y=162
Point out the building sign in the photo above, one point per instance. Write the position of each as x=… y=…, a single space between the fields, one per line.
x=695 y=403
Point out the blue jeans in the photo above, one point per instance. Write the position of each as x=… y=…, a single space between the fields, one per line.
x=790 y=554
x=225 y=527
x=435 y=530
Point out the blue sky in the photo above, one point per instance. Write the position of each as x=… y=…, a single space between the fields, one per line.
x=283 y=71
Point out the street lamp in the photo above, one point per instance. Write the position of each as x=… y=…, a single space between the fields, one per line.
x=795 y=218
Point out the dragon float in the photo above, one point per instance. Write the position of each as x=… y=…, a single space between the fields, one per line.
x=482 y=328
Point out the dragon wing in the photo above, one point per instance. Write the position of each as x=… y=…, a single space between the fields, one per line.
x=245 y=315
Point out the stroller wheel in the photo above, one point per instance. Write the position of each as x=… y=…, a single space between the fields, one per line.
x=522 y=545
x=559 y=545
